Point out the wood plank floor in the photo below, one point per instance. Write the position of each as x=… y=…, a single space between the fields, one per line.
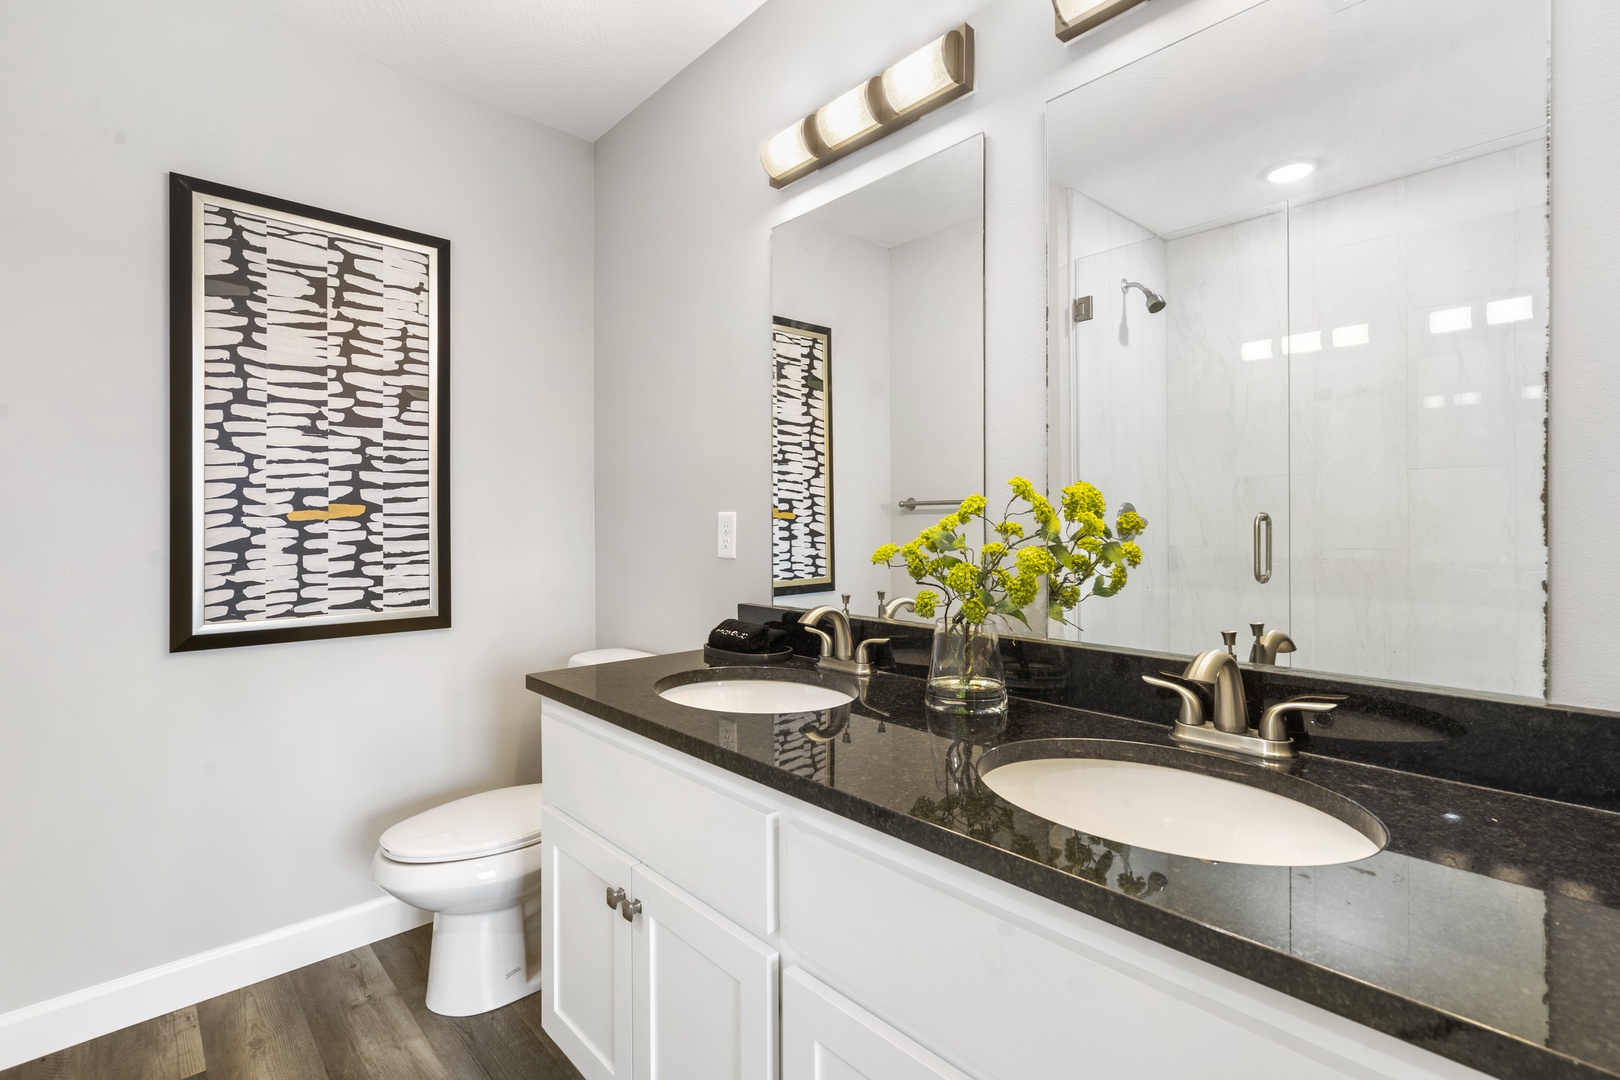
x=358 y=1016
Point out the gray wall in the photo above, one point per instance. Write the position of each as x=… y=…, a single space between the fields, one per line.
x=155 y=806
x=683 y=219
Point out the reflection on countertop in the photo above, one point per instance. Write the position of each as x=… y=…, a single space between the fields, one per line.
x=1487 y=930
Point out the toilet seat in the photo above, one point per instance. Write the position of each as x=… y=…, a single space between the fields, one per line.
x=489 y=823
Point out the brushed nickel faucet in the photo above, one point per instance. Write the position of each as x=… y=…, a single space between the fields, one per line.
x=1215 y=712
x=891 y=609
x=836 y=651
x=1267 y=644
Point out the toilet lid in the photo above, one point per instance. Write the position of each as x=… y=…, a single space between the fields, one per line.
x=484 y=824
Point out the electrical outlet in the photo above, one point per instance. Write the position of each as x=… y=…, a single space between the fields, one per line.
x=728 y=534
x=728 y=733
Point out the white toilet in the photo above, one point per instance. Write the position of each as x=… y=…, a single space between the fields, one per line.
x=475 y=863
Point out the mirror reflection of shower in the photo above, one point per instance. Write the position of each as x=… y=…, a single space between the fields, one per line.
x=1155 y=302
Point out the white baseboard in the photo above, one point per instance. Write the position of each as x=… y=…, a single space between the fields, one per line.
x=37 y=1030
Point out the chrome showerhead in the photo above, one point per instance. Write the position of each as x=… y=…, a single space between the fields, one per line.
x=1155 y=302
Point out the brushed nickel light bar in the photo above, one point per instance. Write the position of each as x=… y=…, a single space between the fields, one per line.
x=1075 y=17
x=934 y=75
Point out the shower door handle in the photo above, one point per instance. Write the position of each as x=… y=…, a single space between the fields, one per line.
x=1262 y=533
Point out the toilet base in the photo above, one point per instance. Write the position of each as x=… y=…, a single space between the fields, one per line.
x=479 y=962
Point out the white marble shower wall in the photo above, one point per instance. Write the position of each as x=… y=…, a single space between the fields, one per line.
x=1114 y=399
x=1368 y=368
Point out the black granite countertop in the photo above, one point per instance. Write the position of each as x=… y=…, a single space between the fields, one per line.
x=1487 y=931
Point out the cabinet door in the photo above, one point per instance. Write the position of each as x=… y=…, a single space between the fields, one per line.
x=825 y=1036
x=705 y=990
x=585 y=949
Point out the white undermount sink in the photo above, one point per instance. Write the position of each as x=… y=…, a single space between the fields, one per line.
x=742 y=695
x=1181 y=811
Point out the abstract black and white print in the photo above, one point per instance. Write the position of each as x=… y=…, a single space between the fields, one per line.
x=316 y=425
x=801 y=458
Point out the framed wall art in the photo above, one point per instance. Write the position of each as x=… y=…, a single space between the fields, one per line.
x=801 y=458
x=310 y=422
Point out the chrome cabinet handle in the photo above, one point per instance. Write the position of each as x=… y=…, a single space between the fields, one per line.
x=615 y=897
x=629 y=909
x=1262 y=567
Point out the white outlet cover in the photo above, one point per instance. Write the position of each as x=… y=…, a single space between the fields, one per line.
x=727 y=539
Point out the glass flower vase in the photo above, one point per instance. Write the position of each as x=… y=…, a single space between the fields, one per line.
x=965 y=676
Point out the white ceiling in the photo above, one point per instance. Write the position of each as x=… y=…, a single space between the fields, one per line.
x=576 y=65
x=935 y=193
x=1365 y=88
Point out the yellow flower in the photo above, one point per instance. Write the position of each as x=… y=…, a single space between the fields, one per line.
x=991 y=552
x=1044 y=512
x=1011 y=530
x=1116 y=577
x=1022 y=589
x=1130 y=523
x=1068 y=596
x=1133 y=553
x=885 y=553
x=974 y=610
x=923 y=603
x=1023 y=489
x=947 y=523
x=1083 y=499
x=972 y=506
x=963 y=578
x=1034 y=560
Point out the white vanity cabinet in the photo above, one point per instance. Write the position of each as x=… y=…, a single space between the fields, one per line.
x=900 y=964
x=643 y=979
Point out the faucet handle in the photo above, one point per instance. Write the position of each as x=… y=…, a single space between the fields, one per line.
x=1229 y=637
x=826 y=639
x=1191 y=692
x=862 y=654
x=1274 y=726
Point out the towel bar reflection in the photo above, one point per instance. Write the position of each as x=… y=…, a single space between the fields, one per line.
x=1262 y=567
x=912 y=504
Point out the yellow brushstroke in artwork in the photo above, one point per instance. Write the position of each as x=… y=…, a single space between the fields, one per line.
x=336 y=510
x=783 y=515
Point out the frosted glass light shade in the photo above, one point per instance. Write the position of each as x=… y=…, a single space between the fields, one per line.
x=933 y=70
x=938 y=73
x=786 y=151
x=845 y=118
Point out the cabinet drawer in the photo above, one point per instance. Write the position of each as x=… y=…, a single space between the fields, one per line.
x=714 y=843
x=1004 y=1000
x=825 y=1036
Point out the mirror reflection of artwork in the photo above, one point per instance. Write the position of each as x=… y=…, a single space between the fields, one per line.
x=897 y=266
x=801 y=458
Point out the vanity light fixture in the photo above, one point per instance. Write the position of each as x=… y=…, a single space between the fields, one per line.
x=1292 y=171
x=937 y=73
x=1256 y=350
x=1517 y=309
x=1075 y=17
x=1308 y=341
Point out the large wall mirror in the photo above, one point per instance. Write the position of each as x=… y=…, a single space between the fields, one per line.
x=1325 y=388
x=877 y=339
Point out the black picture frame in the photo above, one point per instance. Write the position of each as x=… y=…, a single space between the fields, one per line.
x=220 y=596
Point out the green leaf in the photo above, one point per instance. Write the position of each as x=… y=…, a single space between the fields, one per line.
x=1113 y=552
x=1019 y=615
x=1062 y=554
x=1101 y=589
x=1054 y=612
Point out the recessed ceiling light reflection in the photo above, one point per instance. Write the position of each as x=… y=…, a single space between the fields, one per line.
x=1256 y=350
x=1451 y=320
x=1517 y=309
x=1346 y=336
x=1294 y=170
x=1468 y=397
x=1531 y=393
x=1435 y=401
x=1308 y=342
